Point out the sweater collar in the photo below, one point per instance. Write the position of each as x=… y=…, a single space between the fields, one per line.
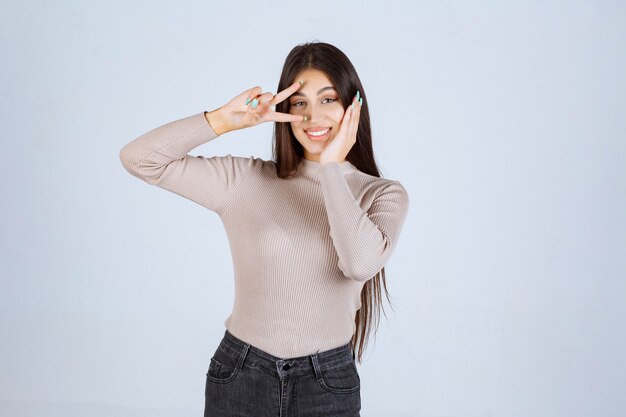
x=310 y=167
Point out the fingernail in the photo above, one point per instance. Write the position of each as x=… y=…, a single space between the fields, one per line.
x=358 y=95
x=301 y=82
x=305 y=118
x=352 y=104
x=361 y=101
x=247 y=101
x=255 y=102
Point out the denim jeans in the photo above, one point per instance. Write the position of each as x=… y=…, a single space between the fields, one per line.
x=244 y=381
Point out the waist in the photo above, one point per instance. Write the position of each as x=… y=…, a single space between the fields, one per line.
x=301 y=365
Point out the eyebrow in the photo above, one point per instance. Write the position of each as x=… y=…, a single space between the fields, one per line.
x=330 y=87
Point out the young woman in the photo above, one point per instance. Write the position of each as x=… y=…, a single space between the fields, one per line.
x=309 y=231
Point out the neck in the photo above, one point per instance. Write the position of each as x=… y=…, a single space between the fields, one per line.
x=310 y=167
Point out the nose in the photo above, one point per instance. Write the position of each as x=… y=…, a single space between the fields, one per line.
x=315 y=114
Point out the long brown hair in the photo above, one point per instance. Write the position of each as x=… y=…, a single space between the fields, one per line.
x=288 y=152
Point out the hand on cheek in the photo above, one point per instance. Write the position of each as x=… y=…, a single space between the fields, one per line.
x=338 y=148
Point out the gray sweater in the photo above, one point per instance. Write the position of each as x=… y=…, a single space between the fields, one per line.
x=302 y=247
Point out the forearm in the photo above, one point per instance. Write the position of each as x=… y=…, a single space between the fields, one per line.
x=364 y=241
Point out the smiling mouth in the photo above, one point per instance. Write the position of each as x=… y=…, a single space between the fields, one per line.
x=318 y=135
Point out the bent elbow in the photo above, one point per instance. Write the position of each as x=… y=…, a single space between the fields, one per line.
x=357 y=272
x=366 y=267
x=362 y=277
x=128 y=162
x=140 y=166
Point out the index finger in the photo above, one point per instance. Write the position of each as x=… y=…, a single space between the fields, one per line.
x=285 y=93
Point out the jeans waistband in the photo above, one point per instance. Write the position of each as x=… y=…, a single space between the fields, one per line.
x=245 y=353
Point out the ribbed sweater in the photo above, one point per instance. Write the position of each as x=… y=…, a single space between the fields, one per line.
x=302 y=247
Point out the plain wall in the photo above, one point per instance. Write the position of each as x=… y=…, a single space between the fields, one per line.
x=504 y=121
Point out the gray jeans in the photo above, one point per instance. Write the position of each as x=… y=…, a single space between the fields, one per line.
x=244 y=381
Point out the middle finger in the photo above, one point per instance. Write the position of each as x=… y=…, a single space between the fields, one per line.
x=286 y=92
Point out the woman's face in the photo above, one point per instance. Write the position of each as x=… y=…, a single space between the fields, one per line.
x=318 y=99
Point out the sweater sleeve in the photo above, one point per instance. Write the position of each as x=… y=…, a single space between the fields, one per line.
x=159 y=157
x=364 y=241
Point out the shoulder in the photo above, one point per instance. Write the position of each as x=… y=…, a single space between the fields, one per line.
x=383 y=188
x=250 y=164
x=380 y=184
x=244 y=162
x=393 y=190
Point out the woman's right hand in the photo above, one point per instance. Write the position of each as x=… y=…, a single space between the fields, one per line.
x=236 y=114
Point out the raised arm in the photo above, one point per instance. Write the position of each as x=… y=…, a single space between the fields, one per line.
x=364 y=241
x=160 y=157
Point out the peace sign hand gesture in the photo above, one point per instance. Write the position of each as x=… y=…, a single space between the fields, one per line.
x=251 y=108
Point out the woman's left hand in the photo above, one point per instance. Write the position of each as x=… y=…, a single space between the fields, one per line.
x=342 y=142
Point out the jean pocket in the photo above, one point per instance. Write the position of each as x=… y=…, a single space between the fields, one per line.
x=223 y=368
x=341 y=379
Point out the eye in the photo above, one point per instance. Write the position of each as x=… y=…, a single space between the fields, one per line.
x=296 y=104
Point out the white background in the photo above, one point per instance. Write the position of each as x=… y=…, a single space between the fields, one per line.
x=505 y=121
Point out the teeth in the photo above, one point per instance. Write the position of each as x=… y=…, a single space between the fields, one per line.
x=320 y=133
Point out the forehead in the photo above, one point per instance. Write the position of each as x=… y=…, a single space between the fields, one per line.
x=314 y=81
x=312 y=75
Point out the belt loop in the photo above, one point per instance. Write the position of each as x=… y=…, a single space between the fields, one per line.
x=352 y=349
x=316 y=367
x=243 y=354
